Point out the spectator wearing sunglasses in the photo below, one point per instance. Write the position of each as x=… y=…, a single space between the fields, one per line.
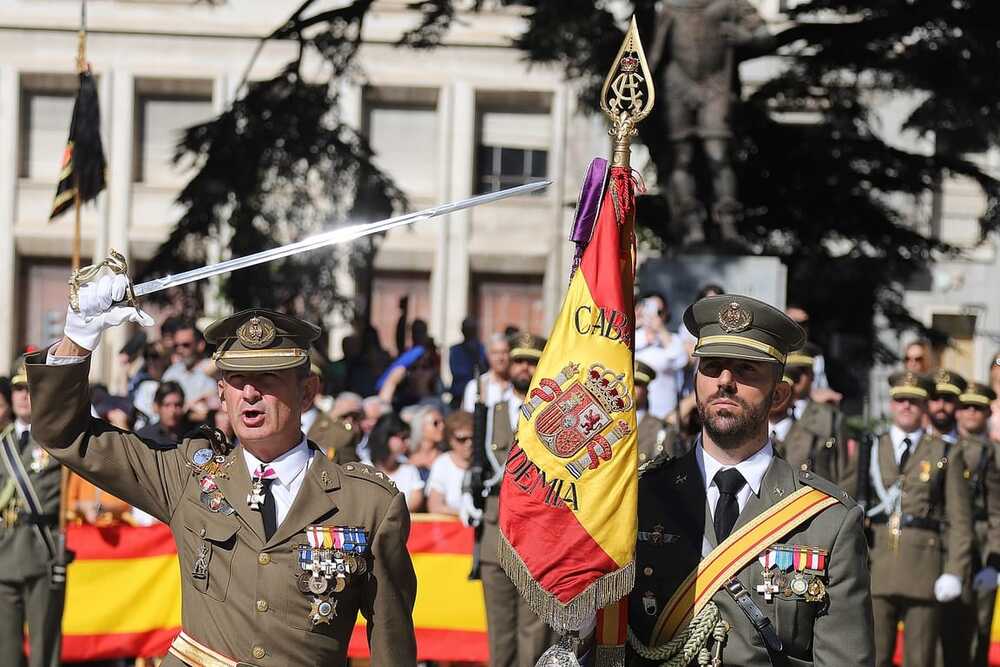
x=444 y=486
x=200 y=390
x=427 y=438
x=388 y=450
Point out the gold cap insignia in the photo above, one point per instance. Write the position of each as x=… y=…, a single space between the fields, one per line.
x=735 y=318
x=255 y=333
x=942 y=377
x=909 y=380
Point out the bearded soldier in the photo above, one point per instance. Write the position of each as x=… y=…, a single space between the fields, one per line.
x=279 y=547
x=788 y=549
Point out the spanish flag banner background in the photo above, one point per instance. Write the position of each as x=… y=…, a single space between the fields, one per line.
x=568 y=496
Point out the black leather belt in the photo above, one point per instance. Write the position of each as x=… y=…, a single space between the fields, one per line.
x=909 y=521
x=760 y=621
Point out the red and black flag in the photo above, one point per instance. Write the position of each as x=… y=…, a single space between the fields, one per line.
x=83 y=164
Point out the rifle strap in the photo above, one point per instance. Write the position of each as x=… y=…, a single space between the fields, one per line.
x=10 y=454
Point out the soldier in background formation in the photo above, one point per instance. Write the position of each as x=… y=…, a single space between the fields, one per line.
x=808 y=436
x=654 y=435
x=29 y=521
x=921 y=525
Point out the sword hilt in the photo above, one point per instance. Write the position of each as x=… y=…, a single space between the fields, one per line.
x=116 y=263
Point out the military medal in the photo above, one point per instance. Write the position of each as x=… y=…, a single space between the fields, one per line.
x=809 y=565
x=256 y=496
x=925 y=471
x=798 y=584
x=323 y=609
x=768 y=588
x=816 y=591
x=39 y=459
x=201 y=457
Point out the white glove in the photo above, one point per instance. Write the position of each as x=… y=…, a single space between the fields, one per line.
x=468 y=513
x=985 y=580
x=947 y=587
x=97 y=314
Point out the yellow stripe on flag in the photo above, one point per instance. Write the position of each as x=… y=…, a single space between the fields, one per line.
x=146 y=595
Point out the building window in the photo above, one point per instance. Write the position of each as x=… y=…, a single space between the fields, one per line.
x=402 y=128
x=515 y=134
x=500 y=167
x=46 y=111
x=163 y=110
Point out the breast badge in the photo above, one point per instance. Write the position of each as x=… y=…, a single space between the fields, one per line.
x=207 y=467
x=333 y=559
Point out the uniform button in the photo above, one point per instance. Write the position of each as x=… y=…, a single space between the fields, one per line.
x=261 y=605
x=259 y=652
x=494 y=447
x=263 y=559
x=804 y=467
x=642 y=457
x=648 y=571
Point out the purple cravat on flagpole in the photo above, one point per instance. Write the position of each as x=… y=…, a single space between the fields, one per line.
x=588 y=206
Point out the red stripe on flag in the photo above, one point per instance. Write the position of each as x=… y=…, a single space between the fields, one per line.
x=602 y=260
x=82 y=648
x=459 y=645
x=115 y=542
x=440 y=537
x=559 y=553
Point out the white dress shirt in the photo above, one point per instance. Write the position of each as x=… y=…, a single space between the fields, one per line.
x=897 y=435
x=493 y=392
x=799 y=407
x=290 y=469
x=752 y=469
x=308 y=418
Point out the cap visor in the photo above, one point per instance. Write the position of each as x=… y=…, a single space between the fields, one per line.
x=731 y=351
x=260 y=364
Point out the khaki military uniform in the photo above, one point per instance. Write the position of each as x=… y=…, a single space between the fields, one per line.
x=655 y=437
x=26 y=595
x=676 y=531
x=935 y=537
x=338 y=440
x=968 y=621
x=240 y=594
x=812 y=442
x=517 y=636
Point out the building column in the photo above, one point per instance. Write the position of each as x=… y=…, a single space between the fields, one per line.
x=558 y=260
x=10 y=105
x=122 y=107
x=450 y=280
x=216 y=305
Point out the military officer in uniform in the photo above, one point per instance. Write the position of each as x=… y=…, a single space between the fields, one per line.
x=517 y=636
x=942 y=404
x=811 y=439
x=921 y=525
x=967 y=622
x=29 y=521
x=795 y=592
x=654 y=435
x=337 y=438
x=279 y=547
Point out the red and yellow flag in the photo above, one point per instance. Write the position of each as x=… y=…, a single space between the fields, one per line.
x=568 y=497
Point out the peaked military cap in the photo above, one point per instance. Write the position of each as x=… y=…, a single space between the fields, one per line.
x=977 y=394
x=18 y=375
x=803 y=357
x=526 y=346
x=907 y=384
x=261 y=340
x=739 y=327
x=644 y=374
x=947 y=383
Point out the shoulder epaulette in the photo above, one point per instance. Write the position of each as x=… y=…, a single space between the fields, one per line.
x=655 y=463
x=813 y=480
x=369 y=473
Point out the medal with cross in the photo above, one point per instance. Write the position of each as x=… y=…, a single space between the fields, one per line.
x=768 y=588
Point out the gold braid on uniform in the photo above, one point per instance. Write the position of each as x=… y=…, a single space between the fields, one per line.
x=692 y=642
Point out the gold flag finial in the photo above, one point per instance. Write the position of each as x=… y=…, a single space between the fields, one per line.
x=627 y=95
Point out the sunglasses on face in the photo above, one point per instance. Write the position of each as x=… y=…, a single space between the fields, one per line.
x=183 y=344
x=920 y=358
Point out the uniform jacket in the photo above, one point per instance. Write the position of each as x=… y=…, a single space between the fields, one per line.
x=500 y=444
x=335 y=439
x=655 y=438
x=836 y=632
x=812 y=442
x=249 y=600
x=933 y=487
x=22 y=553
x=981 y=460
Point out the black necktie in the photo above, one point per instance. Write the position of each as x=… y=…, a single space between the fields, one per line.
x=727 y=510
x=268 y=512
x=22 y=441
x=906 y=454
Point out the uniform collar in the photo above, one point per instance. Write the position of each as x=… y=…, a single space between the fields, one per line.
x=897 y=435
x=20 y=427
x=287 y=467
x=309 y=418
x=753 y=469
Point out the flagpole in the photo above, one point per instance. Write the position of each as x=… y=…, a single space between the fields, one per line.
x=81 y=67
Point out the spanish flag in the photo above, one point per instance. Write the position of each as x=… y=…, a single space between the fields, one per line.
x=568 y=496
x=81 y=174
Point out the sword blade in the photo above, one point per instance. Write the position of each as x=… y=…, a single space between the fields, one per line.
x=332 y=237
